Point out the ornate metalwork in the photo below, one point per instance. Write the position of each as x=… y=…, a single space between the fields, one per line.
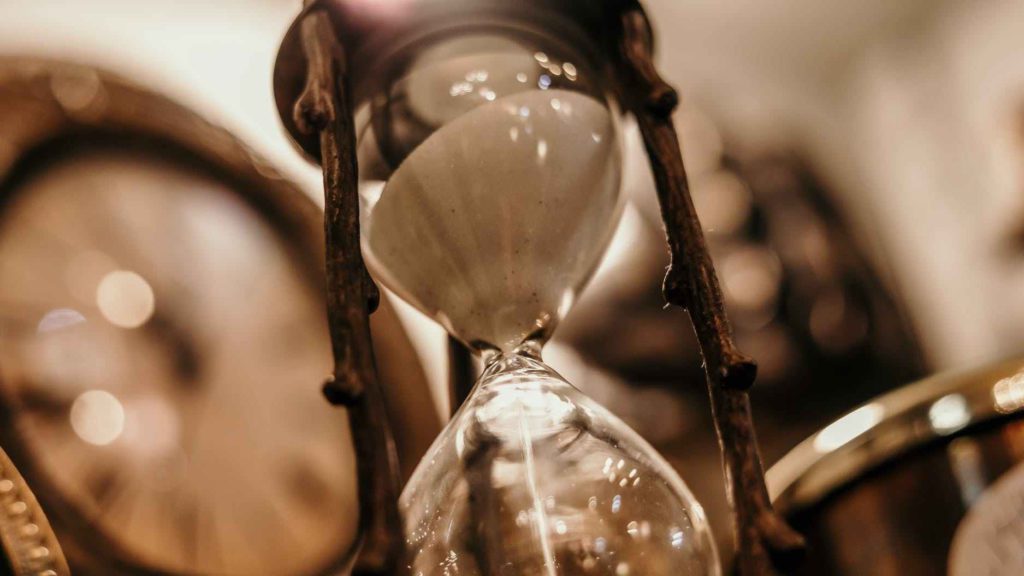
x=28 y=544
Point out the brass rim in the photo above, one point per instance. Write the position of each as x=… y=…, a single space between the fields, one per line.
x=933 y=409
x=28 y=540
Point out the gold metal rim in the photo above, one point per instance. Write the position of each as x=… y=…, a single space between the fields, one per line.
x=938 y=407
x=31 y=546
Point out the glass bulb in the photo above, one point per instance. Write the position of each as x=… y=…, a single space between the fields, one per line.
x=531 y=477
x=490 y=183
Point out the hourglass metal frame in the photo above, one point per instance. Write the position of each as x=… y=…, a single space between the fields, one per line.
x=315 y=98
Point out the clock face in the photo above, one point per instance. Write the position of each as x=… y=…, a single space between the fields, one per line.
x=163 y=355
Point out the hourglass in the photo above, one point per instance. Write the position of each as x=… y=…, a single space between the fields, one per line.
x=471 y=148
x=464 y=216
x=490 y=171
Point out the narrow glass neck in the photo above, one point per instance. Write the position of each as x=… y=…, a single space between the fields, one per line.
x=521 y=369
x=529 y=348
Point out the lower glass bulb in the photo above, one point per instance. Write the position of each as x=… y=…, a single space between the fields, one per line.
x=531 y=478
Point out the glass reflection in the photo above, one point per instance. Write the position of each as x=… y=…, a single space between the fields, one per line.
x=531 y=477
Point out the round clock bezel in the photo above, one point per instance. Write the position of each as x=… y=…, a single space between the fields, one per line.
x=49 y=110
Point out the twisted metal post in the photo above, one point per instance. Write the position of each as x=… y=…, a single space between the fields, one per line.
x=766 y=545
x=324 y=108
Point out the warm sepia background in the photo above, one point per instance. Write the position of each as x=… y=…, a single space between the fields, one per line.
x=877 y=145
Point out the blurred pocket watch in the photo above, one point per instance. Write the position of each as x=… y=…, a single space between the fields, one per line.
x=163 y=338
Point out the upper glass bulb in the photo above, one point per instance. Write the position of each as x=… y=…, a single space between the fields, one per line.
x=532 y=478
x=490 y=181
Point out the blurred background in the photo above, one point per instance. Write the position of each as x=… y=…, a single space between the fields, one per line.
x=859 y=168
